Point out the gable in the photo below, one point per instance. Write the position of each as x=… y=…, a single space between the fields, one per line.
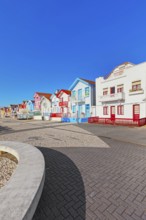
x=45 y=100
x=119 y=70
x=54 y=98
x=79 y=82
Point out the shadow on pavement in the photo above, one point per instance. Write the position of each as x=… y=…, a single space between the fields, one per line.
x=63 y=195
x=5 y=129
x=58 y=127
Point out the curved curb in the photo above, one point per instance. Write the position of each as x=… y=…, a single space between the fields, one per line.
x=20 y=196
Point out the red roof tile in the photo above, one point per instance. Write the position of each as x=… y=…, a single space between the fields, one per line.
x=47 y=95
x=68 y=92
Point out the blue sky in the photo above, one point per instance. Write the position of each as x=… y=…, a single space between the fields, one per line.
x=46 y=44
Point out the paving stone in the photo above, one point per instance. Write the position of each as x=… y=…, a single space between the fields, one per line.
x=86 y=181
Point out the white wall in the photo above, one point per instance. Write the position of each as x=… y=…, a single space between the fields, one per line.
x=45 y=105
x=135 y=73
x=55 y=104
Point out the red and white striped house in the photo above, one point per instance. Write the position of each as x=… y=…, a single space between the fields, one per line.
x=64 y=102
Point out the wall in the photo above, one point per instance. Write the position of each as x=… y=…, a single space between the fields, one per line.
x=55 y=104
x=45 y=106
x=135 y=73
x=20 y=196
x=87 y=100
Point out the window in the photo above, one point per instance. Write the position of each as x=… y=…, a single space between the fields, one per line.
x=105 y=110
x=112 y=90
x=73 y=93
x=120 y=88
x=136 y=85
x=86 y=91
x=120 y=110
x=80 y=94
x=105 y=91
x=73 y=108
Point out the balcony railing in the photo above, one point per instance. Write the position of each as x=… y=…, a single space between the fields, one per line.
x=112 y=97
x=63 y=104
x=135 y=92
x=77 y=100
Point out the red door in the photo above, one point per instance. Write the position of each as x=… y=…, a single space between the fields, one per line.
x=112 y=113
x=136 y=112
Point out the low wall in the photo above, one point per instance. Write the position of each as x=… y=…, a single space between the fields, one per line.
x=37 y=117
x=74 y=120
x=20 y=196
x=57 y=119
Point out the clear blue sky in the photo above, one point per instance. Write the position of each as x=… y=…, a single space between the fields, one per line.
x=46 y=44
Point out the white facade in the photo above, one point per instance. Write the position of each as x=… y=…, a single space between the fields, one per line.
x=123 y=93
x=82 y=98
x=55 y=104
x=45 y=106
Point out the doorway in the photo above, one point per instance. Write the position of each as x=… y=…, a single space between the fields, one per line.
x=136 y=112
x=113 y=113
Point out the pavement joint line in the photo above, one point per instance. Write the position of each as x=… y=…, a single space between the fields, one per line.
x=125 y=141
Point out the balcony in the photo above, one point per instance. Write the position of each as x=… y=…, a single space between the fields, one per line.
x=63 y=104
x=112 y=97
x=136 y=92
x=78 y=100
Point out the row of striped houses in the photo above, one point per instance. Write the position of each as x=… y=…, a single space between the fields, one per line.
x=118 y=98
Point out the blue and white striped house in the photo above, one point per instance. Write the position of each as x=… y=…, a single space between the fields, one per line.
x=82 y=98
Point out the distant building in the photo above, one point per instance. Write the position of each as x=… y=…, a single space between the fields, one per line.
x=64 y=102
x=55 y=102
x=5 y=112
x=30 y=105
x=37 y=99
x=46 y=105
x=82 y=98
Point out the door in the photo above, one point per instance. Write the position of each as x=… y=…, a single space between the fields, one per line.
x=79 y=111
x=87 y=110
x=112 y=113
x=136 y=112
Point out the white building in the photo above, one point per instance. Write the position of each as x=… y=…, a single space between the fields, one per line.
x=121 y=96
x=82 y=98
x=55 y=102
x=45 y=105
x=56 y=114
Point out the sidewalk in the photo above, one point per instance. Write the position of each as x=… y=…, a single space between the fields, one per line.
x=135 y=135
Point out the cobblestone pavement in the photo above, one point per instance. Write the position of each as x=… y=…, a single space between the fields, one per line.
x=85 y=179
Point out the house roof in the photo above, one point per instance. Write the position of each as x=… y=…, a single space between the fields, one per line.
x=122 y=64
x=88 y=81
x=46 y=95
x=68 y=92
